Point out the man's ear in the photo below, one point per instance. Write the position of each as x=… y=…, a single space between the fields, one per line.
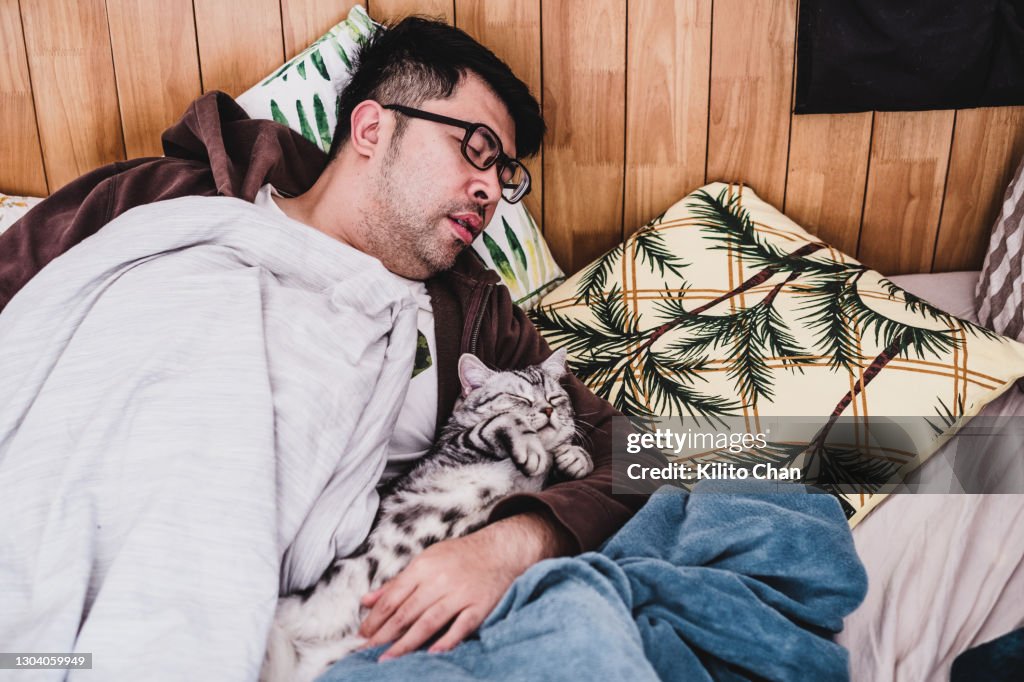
x=367 y=126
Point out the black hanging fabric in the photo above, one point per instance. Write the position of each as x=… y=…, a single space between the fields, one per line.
x=907 y=55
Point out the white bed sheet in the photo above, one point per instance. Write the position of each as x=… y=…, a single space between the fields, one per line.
x=945 y=571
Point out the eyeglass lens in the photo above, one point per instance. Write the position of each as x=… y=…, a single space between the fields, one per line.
x=482 y=149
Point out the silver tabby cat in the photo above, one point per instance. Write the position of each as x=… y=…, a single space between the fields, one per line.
x=505 y=434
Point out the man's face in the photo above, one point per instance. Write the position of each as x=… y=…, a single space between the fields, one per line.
x=425 y=185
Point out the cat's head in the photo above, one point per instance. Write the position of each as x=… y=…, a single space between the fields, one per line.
x=533 y=393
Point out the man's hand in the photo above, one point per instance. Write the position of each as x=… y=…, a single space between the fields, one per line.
x=458 y=581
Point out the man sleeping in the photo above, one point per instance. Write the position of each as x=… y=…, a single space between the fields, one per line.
x=201 y=398
x=202 y=395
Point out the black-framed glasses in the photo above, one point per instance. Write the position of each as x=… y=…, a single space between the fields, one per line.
x=482 y=149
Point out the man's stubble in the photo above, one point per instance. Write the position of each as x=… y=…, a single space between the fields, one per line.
x=403 y=232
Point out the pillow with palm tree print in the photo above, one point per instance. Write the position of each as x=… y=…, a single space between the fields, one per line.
x=724 y=309
x=303 y=94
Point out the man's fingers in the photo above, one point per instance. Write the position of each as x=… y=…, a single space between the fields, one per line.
x=370 y=598
x=425 y=627
x=467 y=622
x=404 y=616
x=386 y=600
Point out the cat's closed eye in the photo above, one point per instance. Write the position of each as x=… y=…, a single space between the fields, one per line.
x=516 y=399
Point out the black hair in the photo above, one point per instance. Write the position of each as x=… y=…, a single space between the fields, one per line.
x=419 y=59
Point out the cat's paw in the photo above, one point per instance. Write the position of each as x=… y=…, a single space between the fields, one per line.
x=573 y=461
x=530 y=455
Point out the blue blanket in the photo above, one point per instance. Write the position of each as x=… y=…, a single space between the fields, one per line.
x=715 y=585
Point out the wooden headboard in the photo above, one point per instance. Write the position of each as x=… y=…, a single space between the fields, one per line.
x=645 y=99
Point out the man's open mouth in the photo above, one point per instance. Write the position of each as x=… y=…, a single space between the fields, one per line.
x=466 y=226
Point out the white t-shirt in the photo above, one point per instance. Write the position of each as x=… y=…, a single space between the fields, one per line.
x=414 y=431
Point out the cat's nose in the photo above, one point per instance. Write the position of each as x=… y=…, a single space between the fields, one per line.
x=547 y=410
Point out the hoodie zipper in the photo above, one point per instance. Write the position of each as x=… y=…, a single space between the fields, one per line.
x=478 y=321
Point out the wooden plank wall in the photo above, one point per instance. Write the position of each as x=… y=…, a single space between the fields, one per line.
x=645 y=100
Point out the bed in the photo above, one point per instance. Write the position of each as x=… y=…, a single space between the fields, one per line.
x=918 y=192
x=959 y=582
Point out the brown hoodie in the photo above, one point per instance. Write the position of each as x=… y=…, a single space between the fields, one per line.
x=216 y=149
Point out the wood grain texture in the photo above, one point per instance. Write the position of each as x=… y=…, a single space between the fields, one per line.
x=906 y=178
x=929 y=192
x=239 y=42
x=303 y=21
x=668 y=65
x=752 y=50
x=157 y=67
x=511 y=29
x=584 y=92
x=389 y=11
x=987 y=146
x=73 y=86
x=828 y=169
x=21 y=163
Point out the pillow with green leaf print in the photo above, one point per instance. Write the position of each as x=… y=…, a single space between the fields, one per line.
x=12 y=208
x=726 y=313
x=303 y=94
x=513 y=247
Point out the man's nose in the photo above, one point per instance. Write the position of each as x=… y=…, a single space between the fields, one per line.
x=487 y=186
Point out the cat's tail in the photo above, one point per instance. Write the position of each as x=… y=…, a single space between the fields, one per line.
x=308 y=628
x=288 y=661
x=316 y=658
x=281 y=659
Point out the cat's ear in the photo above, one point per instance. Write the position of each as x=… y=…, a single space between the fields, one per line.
x=472 y=372
x=555 y=364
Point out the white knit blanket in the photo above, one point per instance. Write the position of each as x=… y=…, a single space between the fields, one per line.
x=194 y=403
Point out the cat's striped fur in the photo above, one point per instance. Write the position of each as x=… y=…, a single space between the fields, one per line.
x=506 y=433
